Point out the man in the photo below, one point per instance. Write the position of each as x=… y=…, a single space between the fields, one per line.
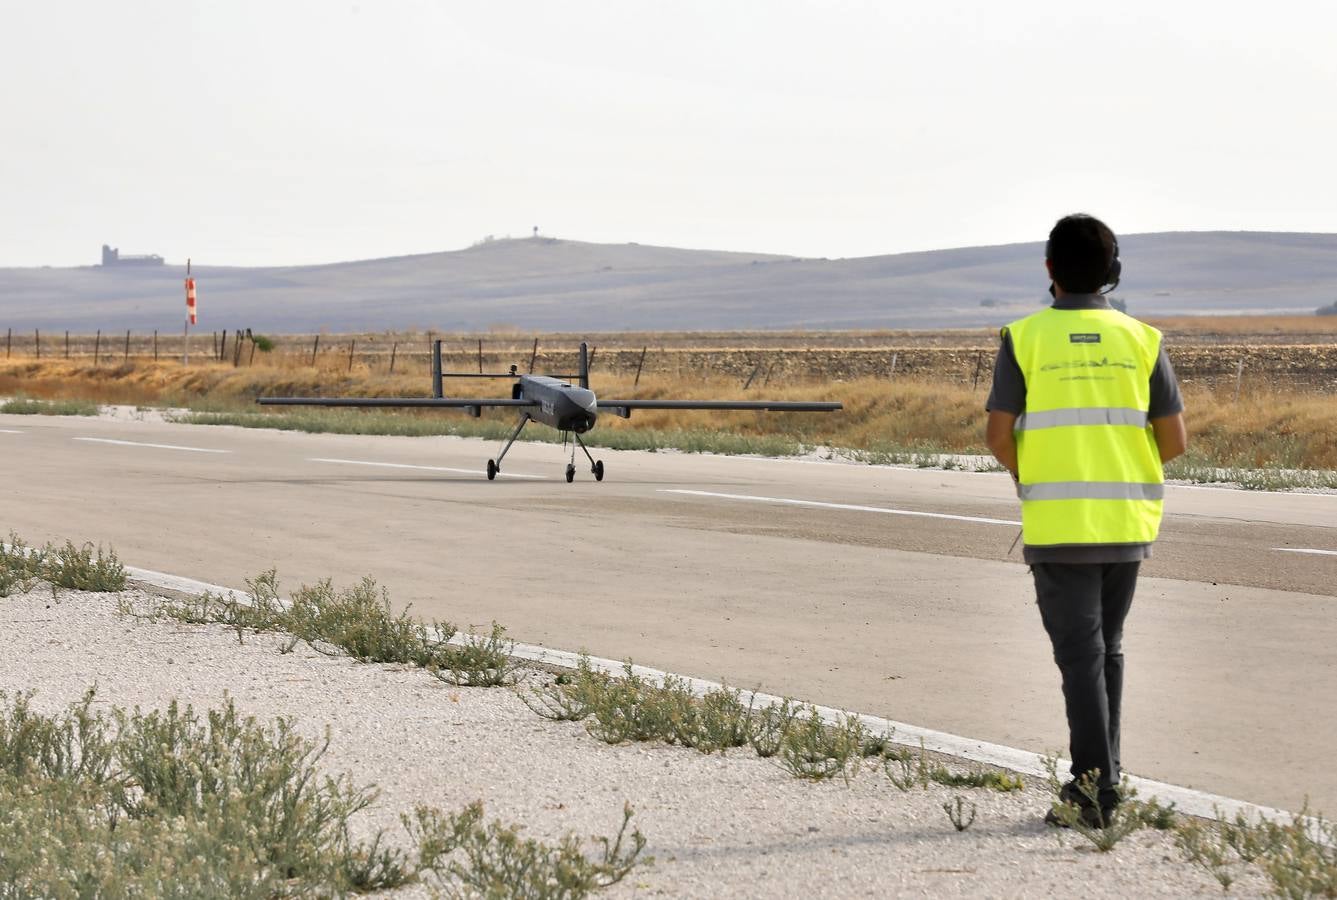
x=1084 y=410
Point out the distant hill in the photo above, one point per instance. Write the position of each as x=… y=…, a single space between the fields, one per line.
x=557 y=285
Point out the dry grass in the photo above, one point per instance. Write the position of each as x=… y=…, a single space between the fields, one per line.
x=1270 y=425
x=1191 y=326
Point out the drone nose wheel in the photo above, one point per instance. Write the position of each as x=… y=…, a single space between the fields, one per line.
x=599 y=470
x=570 y=473
x=492 y=470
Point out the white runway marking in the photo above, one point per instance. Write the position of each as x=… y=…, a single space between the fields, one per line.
x=9 y=431
x=154 y=446
x=784 y=501
x=387 y=465
x=1306 y=550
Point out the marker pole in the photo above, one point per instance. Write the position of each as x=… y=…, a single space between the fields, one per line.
x=190 y=315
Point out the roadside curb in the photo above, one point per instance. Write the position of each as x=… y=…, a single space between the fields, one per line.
x=1189 y=801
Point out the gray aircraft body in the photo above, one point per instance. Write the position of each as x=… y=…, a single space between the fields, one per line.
x=570 y=408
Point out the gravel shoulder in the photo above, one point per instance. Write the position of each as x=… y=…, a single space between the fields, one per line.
x=718 y=826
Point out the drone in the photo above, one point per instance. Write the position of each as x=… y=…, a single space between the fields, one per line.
x=552 y=400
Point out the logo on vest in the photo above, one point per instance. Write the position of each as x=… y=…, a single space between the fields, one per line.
x=1084 y=338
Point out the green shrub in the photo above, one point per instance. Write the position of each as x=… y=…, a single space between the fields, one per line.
x=21 y=566
x=813 y=750
x=83 y=568
x=27 y=406
x=494 y=861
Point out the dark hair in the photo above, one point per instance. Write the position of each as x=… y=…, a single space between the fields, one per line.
x=1082 y=251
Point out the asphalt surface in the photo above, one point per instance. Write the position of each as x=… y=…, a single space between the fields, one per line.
x=888 y=591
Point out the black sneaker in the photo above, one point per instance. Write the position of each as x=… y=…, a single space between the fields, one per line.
x=1092 y=816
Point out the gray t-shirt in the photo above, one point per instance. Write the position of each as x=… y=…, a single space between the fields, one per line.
x=1008 y=394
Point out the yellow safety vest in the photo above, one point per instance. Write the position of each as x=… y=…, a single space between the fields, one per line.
x=1089 y=471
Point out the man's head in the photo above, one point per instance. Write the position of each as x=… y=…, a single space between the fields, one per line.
x=1082 y=254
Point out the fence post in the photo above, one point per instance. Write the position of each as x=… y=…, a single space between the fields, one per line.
x=351 y=346
x=251 y=361
x=394 y=349
x=480 y=356
x=589 y=364
x=9 y=337
x=127 y=346
x=314 y=348
x=67 y=343
x=979 y=359
x=639 y=364
x=533 y=356
x=37 y=341
x=1239 y=376
x=892 y=373
x=222 y=347
x=747 y=384
x=155 y=345
x=769 y=370
x=438 y=390
x=236 y=349
x=97 y=347
x=217 y=355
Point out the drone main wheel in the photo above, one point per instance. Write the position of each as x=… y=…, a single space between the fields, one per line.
x=492 y=470
x=599 y=470
x=570 y=473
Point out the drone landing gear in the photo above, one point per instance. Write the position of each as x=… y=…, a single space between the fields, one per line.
x=596 y=466
x=494 y=466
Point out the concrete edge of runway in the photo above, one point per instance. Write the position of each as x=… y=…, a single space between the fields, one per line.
x=1186 y=800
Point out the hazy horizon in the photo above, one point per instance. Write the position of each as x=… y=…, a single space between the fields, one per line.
x=553 y=284
x=744 y=251
x=291 y=132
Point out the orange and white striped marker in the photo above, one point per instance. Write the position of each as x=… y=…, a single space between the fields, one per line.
x=190 y=299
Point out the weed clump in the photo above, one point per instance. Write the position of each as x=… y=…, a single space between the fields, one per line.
x=957 y=814
x=27 y=406
x=815 y=751
x=80 y=568
x=171 y=803
x=357 y=621
x=84 y=568
x=21 y=566
x=632 y=707
x=906 y=770
x=118 y=804
x=1299 y=857
x=493 y=859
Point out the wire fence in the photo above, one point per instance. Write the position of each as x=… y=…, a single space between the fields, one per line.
x=1302 y=367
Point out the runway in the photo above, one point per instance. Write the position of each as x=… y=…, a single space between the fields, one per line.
x=888 y=591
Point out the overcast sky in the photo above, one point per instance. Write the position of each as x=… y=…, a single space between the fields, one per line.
x=285 y=131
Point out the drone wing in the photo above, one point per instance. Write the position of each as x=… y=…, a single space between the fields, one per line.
x=473 y=405
x=623 y=408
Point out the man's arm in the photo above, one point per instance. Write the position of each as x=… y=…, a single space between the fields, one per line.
x=1171 y=435
x=1000 y=439
x=1007 y=400
x=1166 y=411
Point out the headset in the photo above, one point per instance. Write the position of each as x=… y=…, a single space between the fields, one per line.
x=1111 y=276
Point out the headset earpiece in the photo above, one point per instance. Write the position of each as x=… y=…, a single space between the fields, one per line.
x=1116 y=268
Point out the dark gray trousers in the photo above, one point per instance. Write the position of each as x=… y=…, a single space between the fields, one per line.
x=1083 y=606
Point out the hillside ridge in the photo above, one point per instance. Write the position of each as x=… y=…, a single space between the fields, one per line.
x=550 y=283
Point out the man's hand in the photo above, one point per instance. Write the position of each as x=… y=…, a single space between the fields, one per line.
x=1171 y=436
x=1001 y=441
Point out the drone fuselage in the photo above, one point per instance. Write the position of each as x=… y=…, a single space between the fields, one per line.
x=564 y=406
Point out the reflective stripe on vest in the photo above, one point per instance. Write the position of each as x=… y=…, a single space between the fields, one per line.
x=1090 y=490
x=1091 y=415
x=1088 y=465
